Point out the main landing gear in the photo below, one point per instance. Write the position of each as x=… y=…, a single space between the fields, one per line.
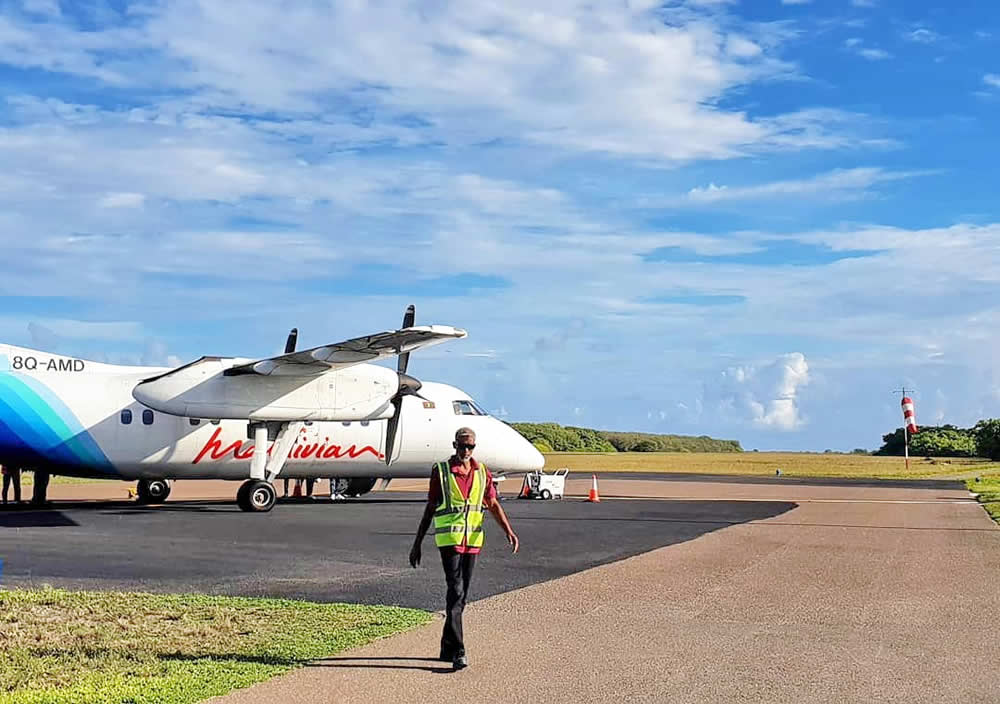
x=256 y=495
x=152 y=491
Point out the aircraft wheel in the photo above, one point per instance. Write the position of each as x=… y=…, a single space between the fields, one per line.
x=360 y=485
x=153 y=491
x=256 y=496
x=241 y=495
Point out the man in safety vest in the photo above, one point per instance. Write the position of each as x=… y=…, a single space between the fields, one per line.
x=460 y=489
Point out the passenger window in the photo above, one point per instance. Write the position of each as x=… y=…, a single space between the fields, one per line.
x=126 y=417
x=214 y=421
x=346 y=423
x=147 y=417
x=365 y=422
x=194 y=421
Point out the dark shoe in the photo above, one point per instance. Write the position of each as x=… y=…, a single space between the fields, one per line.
x=460 y=662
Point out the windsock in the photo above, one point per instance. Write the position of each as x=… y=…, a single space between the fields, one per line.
x=909 y=418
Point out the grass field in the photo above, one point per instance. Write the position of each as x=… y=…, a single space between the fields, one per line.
x=59 y=646
x=792 y=464
x=989 y=494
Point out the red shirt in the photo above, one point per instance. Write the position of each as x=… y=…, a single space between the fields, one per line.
x=464 y=481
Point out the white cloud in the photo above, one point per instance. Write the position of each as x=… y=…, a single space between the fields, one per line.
x=640 y=80
x=864 y=3
x=992 y=80
x=742 y=48
x=855 y=44
x=874 y=54
x=922 y=35
x=49 y=331
x=122 y=200
x=795 y=2
x=766 y=395
x=48 y=8
x=840 y=183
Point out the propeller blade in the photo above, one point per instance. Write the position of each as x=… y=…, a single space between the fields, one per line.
x=392 y=427
x=404 y=359
x=293 y=336
x=408 y=386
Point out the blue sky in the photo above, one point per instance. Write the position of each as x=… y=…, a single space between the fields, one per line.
x=751 y=220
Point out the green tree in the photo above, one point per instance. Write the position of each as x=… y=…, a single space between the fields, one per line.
x=987 y=433
x=944 y=442
x=572 y=439
x=932 y=440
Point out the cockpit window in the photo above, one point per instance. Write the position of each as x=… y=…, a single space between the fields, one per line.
x=466 y=407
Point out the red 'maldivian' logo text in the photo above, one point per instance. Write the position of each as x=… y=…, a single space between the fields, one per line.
x=300 y=451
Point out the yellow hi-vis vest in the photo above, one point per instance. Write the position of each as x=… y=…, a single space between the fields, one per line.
x=457 y=517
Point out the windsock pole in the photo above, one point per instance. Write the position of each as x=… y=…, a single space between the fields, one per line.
x=906 y=447
x=909 y=425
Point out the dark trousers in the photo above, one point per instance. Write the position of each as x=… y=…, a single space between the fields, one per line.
x=458 y=574
x=38 y=493
x=14 y=477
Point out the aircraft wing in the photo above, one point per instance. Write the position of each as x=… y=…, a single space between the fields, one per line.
x=350 y=352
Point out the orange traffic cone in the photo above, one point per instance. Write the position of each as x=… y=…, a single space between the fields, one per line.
x=525 y=491
x=594 y=496
x=297 y=491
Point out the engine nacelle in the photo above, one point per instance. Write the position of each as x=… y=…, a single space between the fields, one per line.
x=202 y=390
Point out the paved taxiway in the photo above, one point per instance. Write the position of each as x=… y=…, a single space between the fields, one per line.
x=353 y=551
x=732 y=590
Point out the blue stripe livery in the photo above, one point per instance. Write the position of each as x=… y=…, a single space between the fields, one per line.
x=37 y=428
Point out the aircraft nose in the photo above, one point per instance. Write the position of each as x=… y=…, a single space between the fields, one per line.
x=531 y=459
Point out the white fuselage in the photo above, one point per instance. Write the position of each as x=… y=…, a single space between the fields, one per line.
x=79 y=418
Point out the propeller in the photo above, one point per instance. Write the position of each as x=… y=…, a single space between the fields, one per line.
x=408 y=386
x=293 y=336
x=404 y=359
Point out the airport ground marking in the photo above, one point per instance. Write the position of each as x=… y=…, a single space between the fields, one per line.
x=970 y=501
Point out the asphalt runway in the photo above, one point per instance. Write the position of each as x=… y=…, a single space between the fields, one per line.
x=352 y=551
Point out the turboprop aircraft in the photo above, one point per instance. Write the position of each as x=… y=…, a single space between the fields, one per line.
x=321 y=412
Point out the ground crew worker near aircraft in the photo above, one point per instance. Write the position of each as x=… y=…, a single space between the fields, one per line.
x=12 y=475
x=460 y=489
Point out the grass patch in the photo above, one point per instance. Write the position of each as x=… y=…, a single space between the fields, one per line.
x=792 y=464
x=28 y=479
x=62 y=646
x=988 y=489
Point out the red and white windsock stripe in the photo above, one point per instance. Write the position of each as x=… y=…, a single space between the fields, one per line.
x=909 y=417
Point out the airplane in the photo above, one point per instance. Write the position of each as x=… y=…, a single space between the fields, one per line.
x=324 y=412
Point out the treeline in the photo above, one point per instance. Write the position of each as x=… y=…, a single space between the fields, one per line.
x=981 y=440
x=552 y=437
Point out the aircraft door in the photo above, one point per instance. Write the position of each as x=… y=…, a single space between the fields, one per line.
x=368 y=438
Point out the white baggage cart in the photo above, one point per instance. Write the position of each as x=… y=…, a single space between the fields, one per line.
x=539 y=485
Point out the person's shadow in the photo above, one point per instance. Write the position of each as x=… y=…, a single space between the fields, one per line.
x=384 y=663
